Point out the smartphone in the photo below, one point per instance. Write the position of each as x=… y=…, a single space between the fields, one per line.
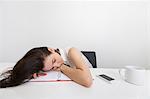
x=106 y=78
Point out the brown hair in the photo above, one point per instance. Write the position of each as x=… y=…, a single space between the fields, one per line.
x=32 y=62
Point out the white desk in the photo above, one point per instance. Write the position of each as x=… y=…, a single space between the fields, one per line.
x=100 y=89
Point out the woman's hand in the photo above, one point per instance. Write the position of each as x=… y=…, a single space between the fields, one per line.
x=57 y=65
x=35 y=75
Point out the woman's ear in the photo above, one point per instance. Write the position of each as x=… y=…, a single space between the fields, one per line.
x=51 y=50
x=34 y=75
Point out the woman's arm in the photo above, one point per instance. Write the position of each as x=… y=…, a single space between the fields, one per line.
x=81 y=74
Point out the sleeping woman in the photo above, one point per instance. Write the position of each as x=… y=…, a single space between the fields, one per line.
x=69 y=61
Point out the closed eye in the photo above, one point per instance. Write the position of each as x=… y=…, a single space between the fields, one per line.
x=53 y=61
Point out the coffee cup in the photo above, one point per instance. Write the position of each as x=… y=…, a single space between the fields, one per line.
x=133 y=74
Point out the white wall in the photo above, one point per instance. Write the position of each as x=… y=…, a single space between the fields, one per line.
x=115 y=30
x=0 y=31
x=148 y=30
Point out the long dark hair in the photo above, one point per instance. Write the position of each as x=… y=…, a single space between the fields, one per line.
x=30 y=63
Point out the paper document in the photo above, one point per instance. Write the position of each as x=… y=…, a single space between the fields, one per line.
x=51 y=76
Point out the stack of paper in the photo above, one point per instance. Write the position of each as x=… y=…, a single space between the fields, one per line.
x=51 y=76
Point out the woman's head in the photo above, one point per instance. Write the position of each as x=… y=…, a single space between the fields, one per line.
x=31 y=63
x=52 y=61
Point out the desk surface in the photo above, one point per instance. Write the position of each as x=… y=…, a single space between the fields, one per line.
x=119 y=89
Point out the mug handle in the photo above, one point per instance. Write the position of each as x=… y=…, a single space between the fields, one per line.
x=122 y=73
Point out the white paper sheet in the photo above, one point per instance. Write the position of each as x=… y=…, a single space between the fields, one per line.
x=51 y=76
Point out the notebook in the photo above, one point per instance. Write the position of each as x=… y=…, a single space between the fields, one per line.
x=51 y=76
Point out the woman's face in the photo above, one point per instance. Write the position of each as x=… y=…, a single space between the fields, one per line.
x=53 y=61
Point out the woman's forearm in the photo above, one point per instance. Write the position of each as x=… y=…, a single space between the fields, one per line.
x=82 y=77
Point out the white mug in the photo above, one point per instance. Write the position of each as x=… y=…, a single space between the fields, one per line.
x=133 y=74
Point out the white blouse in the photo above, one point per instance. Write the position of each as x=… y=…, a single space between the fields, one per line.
x=64 y=55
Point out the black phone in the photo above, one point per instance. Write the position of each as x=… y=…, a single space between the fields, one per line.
x=106 y=77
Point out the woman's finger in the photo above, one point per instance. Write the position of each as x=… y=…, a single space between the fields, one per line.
x=58 y=69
